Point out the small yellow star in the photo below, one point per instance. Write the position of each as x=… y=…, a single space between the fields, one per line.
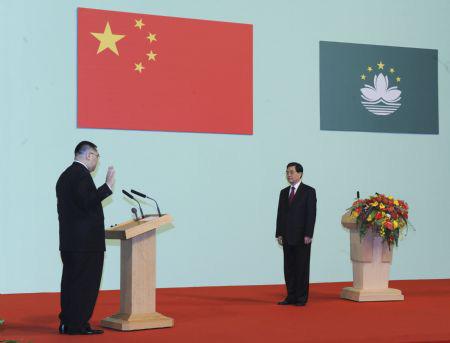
x=139 y=24
x=392 y=70
x=369 y=69
x=398 y=79
x=363 y=77
x=380 y=65
x=151 y=56
x=107 y=40
x=151 y=37
x=138 y=67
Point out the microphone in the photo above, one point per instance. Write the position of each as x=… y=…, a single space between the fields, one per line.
x=133 y=209
x=132 y=197
x=357 y=194
x=145 y=196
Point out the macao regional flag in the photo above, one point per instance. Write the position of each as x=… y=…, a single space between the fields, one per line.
x=147 y=72
x=376 y=88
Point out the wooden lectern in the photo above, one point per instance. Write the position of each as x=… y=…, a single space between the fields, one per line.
x=137 y=275
x=371 y=258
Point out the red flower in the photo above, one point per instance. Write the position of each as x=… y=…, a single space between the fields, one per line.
x=378 y=216
x=388 y=225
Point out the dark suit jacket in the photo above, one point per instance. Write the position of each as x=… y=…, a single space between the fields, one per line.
x=80 y=211
x=296 y=220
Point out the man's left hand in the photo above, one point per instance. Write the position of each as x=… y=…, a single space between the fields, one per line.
x=308 y=240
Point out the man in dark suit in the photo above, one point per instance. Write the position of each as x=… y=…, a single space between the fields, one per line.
x=81 y=238
x=295 y=227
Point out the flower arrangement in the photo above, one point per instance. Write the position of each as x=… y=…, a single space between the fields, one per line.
x=386 y=216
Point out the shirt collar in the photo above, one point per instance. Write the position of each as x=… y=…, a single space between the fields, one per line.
x=296 y=185
x=81 y=164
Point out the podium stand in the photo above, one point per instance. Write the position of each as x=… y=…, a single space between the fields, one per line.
x=137 y=275
x=372 y=259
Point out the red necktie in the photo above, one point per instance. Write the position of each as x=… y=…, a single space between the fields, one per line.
x=291 y=196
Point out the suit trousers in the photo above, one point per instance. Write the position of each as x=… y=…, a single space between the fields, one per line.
x=296 y=271
x=80 y=283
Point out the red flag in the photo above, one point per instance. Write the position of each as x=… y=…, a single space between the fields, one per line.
x=147 y=72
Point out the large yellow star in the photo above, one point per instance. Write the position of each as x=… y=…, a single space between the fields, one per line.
x=380 y=65
x=107 y=40
x=151 y=56
x=139 y=24
x=151 y=37
x=138 y=67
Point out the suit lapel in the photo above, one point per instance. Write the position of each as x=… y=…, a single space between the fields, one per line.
x=286 y=196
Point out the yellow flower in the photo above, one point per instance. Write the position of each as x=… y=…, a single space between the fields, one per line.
x=390 y=197
x=374 y=204
x=395 y=202
x=355 y=214
x=382 y=206
x=395 y=223
x=369 y=218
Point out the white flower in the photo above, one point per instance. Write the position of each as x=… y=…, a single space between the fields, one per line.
x=380 y=90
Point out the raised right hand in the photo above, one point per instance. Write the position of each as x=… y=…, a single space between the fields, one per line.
x=110 y=177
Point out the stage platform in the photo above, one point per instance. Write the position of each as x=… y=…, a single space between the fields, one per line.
x=250 y=314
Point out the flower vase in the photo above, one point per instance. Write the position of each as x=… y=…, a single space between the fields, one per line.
x=371 y=259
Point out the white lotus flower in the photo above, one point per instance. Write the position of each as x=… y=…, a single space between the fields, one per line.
x=380 y=90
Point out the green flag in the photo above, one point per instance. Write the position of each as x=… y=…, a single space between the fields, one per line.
x=376 y=88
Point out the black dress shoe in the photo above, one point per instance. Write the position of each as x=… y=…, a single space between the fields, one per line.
x=285 y=302
x=300 y=304
x=62 y=329
x=85 y=331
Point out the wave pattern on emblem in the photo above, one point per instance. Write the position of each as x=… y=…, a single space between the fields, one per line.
x=379 y=98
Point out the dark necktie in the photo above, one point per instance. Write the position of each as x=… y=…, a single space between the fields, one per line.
x=291 y=195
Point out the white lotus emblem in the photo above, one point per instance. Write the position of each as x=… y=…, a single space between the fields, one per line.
x=379 y=99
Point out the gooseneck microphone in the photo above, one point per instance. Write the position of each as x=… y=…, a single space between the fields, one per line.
x=133 y=209
x=145 y=196
x=132 y=197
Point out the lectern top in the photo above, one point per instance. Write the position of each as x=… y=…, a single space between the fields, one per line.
x=133 y=228
x=348 y=221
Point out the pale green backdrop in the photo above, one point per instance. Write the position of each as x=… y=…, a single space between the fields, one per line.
x=222 y=190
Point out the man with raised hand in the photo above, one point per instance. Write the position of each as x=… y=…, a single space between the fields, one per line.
x=82 y=238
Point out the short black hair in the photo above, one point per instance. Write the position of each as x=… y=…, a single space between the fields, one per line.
x=298 y=166
x=83 y=146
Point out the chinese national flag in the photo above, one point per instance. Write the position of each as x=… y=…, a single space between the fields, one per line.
x=147 y=72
